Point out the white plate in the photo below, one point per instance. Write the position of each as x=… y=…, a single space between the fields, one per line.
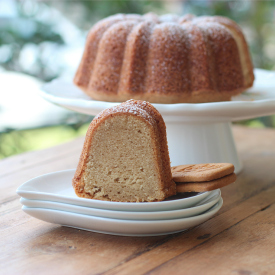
x=57 y=187
x=117 y=226
x=255 y=102
x=201 y=207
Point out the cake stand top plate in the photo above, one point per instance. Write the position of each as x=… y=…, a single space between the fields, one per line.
x=255 y=102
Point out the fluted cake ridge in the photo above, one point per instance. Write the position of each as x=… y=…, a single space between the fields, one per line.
x=165 y=59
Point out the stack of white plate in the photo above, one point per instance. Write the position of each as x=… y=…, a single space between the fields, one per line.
x=51 y=198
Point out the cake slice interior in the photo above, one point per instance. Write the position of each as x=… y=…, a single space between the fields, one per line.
x=122 y=158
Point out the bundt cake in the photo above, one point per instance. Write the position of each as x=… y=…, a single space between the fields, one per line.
x=125 y=156
x=165 y=59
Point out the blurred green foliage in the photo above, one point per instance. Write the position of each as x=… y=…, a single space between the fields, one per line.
x=257 y=18
x=92 y=11
x=15 y=142
x=26 y=29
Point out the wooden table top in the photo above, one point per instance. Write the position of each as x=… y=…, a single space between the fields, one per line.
x=239 y=239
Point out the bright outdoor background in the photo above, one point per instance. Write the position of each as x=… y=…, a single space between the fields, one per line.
x=41 y=40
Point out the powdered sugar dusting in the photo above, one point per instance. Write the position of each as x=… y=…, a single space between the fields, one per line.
x=169 y=18
x=128 y=107
x=151 y=57
x=214 y=30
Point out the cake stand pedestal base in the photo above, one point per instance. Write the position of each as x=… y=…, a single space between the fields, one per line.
x=197 y=133
x=193 y=143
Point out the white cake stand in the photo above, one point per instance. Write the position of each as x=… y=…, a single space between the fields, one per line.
x=196 y=133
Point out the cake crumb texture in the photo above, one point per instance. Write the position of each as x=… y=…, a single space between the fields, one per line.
x=125 y=156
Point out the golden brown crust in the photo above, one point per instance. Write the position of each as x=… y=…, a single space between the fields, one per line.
x=206 y=185
x=245 y=57
x=146 y=112
x=189 y=59
x=82 y=76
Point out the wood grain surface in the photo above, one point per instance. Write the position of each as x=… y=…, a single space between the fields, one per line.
x=239 y=239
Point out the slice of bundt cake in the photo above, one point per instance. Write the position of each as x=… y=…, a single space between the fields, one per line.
x=125 y=156
x=165 y=59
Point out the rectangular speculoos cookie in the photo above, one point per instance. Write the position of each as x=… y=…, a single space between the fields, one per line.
x=201 y=172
